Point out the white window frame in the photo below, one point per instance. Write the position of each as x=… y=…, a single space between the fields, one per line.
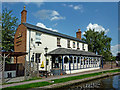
x=38 y=37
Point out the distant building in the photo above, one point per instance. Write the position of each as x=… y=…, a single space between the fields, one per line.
x=64 y=52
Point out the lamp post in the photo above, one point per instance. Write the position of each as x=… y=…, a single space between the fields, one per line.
x=46 y=49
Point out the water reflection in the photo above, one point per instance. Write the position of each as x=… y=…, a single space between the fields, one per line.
x=110 y=83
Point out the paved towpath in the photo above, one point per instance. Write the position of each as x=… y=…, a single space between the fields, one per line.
x=56 y=77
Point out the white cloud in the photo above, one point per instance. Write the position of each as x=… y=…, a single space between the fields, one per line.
x=115 y=49
x=75 y=7
x=54 y=13
x=56 y=18
x=97 y=28
x=43 y=26
x=78 y=7
x=38 y=4
x=48 y=14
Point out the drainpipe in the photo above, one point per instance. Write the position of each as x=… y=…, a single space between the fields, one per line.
x=29 y=50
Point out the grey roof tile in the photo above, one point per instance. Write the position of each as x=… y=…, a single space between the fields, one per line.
x=30 y=26
x=64 y=51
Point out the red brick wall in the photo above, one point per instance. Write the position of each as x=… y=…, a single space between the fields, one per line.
x=23 y=16
x=20 y=42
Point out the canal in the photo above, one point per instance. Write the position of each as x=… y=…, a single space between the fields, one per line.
x=112 y=83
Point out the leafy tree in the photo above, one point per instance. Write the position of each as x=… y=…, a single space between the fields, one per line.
x=114 y=58
x=9 y=24
x=0 y=31
x=98 y=43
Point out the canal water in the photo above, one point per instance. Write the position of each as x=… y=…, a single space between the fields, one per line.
x=110 y=83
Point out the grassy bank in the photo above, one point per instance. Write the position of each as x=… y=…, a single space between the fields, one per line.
x=83 y=76
x=39 y=84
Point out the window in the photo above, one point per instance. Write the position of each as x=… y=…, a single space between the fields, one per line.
x=65 y=60
x=74 y=59
x=37 y=57
x=73 y=44
x=77 y=45
x=68 y=44
x=84 y=62
x=83 y=46
x=58 y=42
x=71 y=60
x=78 y=60
x=38 y=37
x=81 y=62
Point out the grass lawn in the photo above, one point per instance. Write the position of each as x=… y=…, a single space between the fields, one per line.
x=83 y=76
x=39 y=84
x=26 y=86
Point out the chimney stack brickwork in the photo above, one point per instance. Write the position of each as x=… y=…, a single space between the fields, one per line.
x=23 y=16
x=20 y=38
x=78 y=34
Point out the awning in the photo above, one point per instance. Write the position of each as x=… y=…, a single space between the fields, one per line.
x=64 y=51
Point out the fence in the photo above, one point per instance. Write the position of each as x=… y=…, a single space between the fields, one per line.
x=109 y=64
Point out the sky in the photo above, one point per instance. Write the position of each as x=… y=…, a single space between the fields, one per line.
x=68 y=17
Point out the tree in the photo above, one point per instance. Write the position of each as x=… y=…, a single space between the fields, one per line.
x=9 y=25
x=0 y=31
x=98 y=43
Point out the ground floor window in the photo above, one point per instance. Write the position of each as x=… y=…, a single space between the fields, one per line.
x=78 y=60
x=65 y=60
x=37 y=57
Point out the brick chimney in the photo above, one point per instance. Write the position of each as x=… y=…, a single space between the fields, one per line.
x=78 y=34
x=23 y=15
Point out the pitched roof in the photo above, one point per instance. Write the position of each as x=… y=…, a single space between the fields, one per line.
x=30 y=26
x=64 y=51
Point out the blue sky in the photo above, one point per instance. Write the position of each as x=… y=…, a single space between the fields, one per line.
x=67 y=17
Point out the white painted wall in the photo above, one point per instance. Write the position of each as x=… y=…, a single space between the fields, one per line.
x=50 y=42
x=13 y=73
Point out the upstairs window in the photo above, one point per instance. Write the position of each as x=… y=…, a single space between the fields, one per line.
x=58 y=42
x=68 y=43
x=77 y=45
x=38 y=37
x=73 y=44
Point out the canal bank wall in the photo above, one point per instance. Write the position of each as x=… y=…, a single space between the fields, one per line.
x=73 y=82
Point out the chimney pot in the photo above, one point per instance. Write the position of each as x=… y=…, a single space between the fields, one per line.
x=24 y=7
x=79 y=30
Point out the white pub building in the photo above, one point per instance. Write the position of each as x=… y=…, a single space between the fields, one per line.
x=52 y=50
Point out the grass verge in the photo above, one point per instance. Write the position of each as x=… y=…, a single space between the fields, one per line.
x=27 y=86
x=39 y=84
